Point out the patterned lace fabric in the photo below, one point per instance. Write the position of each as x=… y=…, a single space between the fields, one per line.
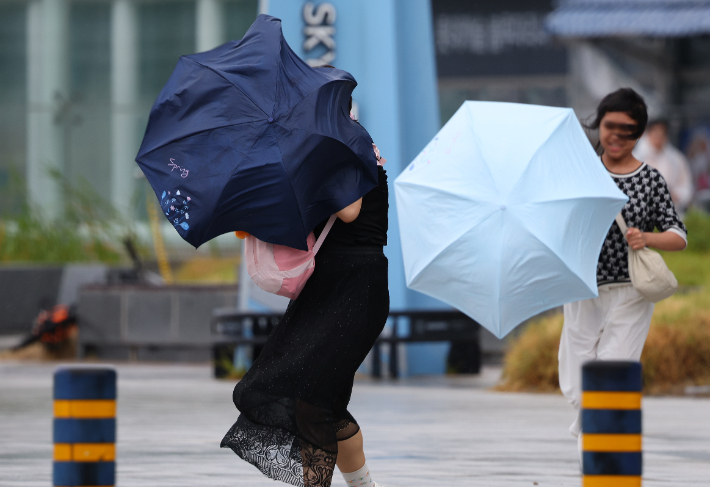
x=280 y=455
x=345 y=429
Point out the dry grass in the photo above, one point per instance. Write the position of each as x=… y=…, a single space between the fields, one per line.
x=676 y=354
x=677 y=351
x=530 y=363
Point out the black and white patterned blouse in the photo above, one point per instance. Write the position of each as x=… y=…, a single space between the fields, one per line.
x=649 y=206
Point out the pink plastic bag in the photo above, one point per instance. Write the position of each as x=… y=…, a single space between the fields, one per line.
x=282 y=270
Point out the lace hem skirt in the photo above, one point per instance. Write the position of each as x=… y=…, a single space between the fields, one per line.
x=293 y=401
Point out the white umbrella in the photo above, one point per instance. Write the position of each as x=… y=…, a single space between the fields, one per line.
x=503 y=214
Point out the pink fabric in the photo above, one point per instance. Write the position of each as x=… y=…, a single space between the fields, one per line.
x=287 y=258
x=282 y=270
x=380 y=160
x=292 y=286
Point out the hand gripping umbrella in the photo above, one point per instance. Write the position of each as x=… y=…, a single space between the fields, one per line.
x=504 y=213
x=248 y=137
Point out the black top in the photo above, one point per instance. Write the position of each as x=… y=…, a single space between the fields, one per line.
x=369 y=229
x=649 y=206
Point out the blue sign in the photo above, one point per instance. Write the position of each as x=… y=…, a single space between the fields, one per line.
x=388 y=46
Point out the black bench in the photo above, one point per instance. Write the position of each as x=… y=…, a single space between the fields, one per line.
x=232 y=328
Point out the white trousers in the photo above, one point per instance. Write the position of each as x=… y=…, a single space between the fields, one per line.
x=613 y=326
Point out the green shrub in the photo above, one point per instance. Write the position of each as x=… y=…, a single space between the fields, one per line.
x=698 y=224
x=88 y=229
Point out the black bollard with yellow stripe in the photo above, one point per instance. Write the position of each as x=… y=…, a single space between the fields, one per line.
x=84 y=427
x=611 y=424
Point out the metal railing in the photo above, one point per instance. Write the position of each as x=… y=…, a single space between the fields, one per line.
x=231 y=327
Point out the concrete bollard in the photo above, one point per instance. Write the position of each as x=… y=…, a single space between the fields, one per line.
x=611 y=424
x=84 y=426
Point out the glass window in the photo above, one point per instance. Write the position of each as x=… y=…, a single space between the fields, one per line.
x=166 y=32
x=13 y=106
x=87 y=117
x=239 y=15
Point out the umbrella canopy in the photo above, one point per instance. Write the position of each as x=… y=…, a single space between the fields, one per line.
x=503 y=214
x=248 y=137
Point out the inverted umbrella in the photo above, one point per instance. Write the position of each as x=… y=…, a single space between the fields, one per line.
x=504 y=213
x=248 y=137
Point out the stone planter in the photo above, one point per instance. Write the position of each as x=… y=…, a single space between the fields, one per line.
x=164 y=323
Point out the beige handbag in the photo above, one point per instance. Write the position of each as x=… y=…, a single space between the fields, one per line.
x=649 y=273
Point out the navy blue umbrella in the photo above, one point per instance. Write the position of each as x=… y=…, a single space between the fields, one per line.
x=248 y=137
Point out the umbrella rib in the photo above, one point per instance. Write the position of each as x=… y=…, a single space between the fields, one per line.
x=552 y=252
x=331 y=138
x=228 y=81
x=298 y=204
x=195 y=133
x=453 y=241
x=445 y=193
x=246 y=154
x=522 y=174
x=567 y=198
x=478 y=149
x=316 y=89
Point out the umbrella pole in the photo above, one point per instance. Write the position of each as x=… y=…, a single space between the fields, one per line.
x=158 y=244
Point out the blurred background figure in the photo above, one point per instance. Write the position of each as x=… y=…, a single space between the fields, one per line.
x=655 y=150
x=699 y=156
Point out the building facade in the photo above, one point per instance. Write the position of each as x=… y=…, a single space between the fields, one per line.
x=497 y=50
x=77 y=80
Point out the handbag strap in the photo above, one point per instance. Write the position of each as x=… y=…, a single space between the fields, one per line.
x=622 y=224
x=324 y=233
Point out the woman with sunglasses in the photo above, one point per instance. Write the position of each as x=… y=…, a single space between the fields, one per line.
x=614 y=326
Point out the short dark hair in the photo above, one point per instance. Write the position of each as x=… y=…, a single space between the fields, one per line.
x=627 y=101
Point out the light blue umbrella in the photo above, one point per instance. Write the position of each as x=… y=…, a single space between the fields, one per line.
x=503 y=214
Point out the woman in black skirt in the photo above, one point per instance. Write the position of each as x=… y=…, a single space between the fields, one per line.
x=294 y=424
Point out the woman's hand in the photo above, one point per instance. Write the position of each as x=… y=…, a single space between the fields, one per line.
x=669 y=241
x=349 y=213
x=636 y=238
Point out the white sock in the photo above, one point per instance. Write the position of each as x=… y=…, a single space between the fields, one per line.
x=359 y=478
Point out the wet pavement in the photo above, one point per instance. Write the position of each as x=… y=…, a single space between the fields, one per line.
x=422 y=431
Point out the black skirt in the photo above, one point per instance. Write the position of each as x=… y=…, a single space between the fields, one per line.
x=293 y=401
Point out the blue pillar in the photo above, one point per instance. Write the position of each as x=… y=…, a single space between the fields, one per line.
x=611 y=424
x=84 y=426
x=388 y=45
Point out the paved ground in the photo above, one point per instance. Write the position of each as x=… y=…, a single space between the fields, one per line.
x=419 y=432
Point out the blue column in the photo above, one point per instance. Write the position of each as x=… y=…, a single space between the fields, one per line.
x=84 y=426
x=611 y=423
x=388 y=46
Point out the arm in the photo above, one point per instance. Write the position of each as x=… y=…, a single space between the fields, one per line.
x=660 y=241
x=673 y=236
x=351 y=212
